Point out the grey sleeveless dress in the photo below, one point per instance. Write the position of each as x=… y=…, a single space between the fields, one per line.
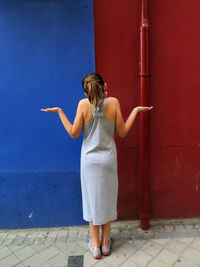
x=99 y=178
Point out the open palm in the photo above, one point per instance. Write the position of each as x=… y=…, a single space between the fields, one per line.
x=55 y=110
x=142 y=109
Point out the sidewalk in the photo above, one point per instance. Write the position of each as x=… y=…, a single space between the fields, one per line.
x=166 y=243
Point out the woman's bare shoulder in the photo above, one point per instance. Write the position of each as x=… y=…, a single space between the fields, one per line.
x=113 y=100
x=84 y=102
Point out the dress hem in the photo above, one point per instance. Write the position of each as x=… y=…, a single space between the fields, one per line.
x=103 y=222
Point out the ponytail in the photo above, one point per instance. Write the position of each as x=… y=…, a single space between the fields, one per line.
x=93 y=86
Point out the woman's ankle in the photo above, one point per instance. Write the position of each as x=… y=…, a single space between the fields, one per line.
x=104 y=242
x=95 y=245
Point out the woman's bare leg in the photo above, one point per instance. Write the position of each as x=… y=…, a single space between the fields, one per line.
x=105 y=232
x=95 y=235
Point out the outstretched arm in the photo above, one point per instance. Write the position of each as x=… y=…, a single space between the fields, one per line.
x=122 y=127
x=74 y=129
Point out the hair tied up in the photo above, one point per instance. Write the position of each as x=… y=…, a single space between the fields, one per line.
x=95 y=91
x=90 y=80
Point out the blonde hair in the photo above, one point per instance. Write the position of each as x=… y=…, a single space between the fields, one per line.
x=93 y=86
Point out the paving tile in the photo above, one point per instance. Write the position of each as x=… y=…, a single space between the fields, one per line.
x=161 y=241
x=157 y=263
x=59 y=260
x=4 y=252
x=39 y=241
x=3 y=236
x=51 y=237
x=29 y=239
x=74 y=249
x=129 y=263
x=53 y=234
x=102 y=264
x=82 y=238
x=25 y=253
x=90 y=235
x=125 y=234
x=151 y=248
x=62 y=247
x=20 y=237
x=49 y=252
x=115 y=234
x=169 y=228
x=9 y=238
x=39 y=248
x=40 y=238
x=61 y=237
x=137 y=243
x=125 y=250
x=88 y=260
x=116 y=244
x=72 y=236
x=20 y=265
x=185 y=240
x=33 y=261
x=56 y=245
x=10 y=260
x=141 y=258
x=46 y=264
x=192 y=255
x=15 y=248
x=196 y=243
x=181 y=262
x=190 y=227
x=42 y=233
x=50 y=241
x=176 y=247
x=114 y=259
x=180 y=228
x=159 y=228
x=83 y=234
x=167 y=257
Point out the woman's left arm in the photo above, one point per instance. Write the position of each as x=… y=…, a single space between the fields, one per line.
x=74 y=129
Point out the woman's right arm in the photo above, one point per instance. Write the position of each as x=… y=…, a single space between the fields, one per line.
x=122 y=127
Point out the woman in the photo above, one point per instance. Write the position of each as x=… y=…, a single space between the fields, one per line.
x=98 y=117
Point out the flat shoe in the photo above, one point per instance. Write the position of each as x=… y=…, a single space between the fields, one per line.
x=105 y=250
x=96 y=252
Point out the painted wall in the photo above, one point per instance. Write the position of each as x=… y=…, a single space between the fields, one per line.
x=175 y=131
x=46 y=47
x=117 y=46
x=174 y=93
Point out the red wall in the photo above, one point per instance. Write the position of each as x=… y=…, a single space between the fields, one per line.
x=174 y=93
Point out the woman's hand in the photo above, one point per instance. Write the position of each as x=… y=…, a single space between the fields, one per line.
x=142 y=109
x=55 y=110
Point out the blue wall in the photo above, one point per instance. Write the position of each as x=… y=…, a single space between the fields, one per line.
x=46 y=47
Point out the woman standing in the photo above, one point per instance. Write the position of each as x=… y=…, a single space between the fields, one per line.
x=98 y=117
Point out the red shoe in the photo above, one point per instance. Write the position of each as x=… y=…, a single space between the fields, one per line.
x=96 y=252
x=106 y=250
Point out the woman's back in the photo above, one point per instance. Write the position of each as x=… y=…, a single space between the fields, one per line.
x=109 y=110
x=99 y=130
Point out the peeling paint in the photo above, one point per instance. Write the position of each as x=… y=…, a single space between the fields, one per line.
x=30 y=215
x=197 y=181
x=177 y=162
x=176 y=166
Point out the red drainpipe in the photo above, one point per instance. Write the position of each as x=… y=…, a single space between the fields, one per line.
x=144 y=132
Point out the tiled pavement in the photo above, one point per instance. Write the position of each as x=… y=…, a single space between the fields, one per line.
x=166 y=243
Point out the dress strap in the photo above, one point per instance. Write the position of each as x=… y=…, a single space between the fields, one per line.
x=103 y=104
x=98 y=111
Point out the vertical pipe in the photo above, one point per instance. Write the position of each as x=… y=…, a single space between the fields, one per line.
x=144 y=134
